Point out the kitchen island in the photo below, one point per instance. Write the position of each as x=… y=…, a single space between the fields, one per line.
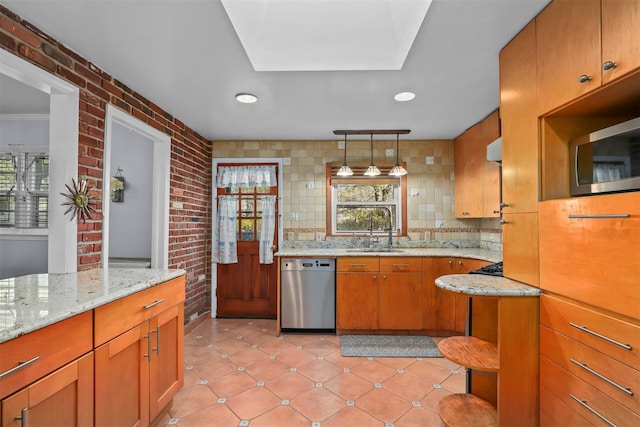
x=80 y=345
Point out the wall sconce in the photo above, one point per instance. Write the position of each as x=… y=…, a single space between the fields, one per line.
x=116 y=187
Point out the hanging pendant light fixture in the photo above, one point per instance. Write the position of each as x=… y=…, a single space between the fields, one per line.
x=372 y=170
x=397 y=170
x=345 y=170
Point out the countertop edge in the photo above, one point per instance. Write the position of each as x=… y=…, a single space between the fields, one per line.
x=473 y=253
x=484 y=285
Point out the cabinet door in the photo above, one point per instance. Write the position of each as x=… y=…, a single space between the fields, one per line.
x=400 y=300
x=491 y=171
x=166 y=374
x=620 y=37
x=468 y=156
x=520 y=170
x=568 y=46
x=358 y=301
x=63 y=398
x=122 y=380
x=520 y=243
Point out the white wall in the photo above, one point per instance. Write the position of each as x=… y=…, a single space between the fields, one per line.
x=130 y=221
x=23 y=251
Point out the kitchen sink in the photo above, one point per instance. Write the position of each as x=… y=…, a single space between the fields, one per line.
x=375 y=250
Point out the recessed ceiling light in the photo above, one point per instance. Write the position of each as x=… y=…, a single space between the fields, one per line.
x=404 y=96
x=246 y=98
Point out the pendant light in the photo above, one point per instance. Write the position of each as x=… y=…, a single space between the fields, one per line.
x=397 y=170
x=345 y=170
x=372 y=170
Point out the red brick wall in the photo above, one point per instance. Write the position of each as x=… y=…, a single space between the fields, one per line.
x=189 y=225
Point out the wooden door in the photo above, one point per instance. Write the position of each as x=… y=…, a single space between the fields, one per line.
x=166 y=368
x=521 y=255
x=468 y=167
x=400 y=300
x=248 y=288
x=122 y=380
x=63 y=398
x=620 y=37
x=568 y=46
x=358 y=300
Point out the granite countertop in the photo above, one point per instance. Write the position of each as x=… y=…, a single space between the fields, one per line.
x=28 y=303
x=475 y=253
x=480 y=284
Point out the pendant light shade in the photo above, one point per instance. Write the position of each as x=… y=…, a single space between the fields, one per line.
x=397 y=170
x=345 y=170
x=372 y=170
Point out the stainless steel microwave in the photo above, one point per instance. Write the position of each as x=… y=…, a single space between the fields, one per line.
x=607 y=160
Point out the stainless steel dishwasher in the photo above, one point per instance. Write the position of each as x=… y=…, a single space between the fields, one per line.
x=308 y=294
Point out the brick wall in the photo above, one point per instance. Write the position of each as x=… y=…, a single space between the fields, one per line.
x=189 y=223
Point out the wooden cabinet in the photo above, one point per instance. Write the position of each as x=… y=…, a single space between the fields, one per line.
x=582 y=45
x=25 y=359
x=477 y=181
x=511 y=354
x=520 y=153
x=140 y=369
x=357 y=295
x=589 y=363
x=598 y=240
x=400 y=293
x=62 y=398
x=444 y=313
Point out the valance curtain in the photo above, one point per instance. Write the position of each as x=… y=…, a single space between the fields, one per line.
x=225 y=248
x=246 y=176
x=267 y=229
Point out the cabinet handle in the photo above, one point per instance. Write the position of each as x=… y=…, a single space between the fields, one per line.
x=602 y=377
x=465 y=213
x=602 y=337
x=23 y=417
x=157 y=331
x=153 y=304
x=504 y=205
x=149 y=346
x=450 y=262
x=584 y=79
x=21 y=365
x=496 y=211
x=601 y=216
x=609 y=65
x=504 y=221
x=384 y=276
x=590 y=409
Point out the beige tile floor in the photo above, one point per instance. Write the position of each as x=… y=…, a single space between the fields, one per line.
x=239 y=373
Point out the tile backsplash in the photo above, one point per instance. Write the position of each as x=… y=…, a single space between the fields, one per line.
x=430 y=192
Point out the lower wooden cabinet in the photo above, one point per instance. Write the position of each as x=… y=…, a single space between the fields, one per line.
x=400 y=293
x=445 y=312
x=62 y=398
x=139 y=372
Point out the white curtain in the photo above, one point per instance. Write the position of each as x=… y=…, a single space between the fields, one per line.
x=268 y=229
x=225 y=250
x=246 y=176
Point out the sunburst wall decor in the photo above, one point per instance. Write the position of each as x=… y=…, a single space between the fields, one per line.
x=79 y=200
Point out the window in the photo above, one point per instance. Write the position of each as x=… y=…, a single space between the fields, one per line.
x=24 y=190
x=360 y=204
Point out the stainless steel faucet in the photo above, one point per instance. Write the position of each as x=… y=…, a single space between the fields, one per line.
x=389 y=230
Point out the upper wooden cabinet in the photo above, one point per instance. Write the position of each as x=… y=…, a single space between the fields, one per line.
x=582 y=44
x=477 y=181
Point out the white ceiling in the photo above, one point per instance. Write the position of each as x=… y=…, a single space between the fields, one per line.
x=185 y=56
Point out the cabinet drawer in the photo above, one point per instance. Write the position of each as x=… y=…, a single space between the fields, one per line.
x=617 y=380
x=401 y=264
x=367 y=263
x=46 y=349
x=590 y=256
x=609 y=335
x=583 y=398
x=554 y=412
x=119 y=316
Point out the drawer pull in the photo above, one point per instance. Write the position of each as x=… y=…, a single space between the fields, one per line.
x=602 y=337
x=593 y=411
x=21 y=365
x=603 y=378
x=601 y=216
x=153 y=304
x=149 y=346
x=23 y=417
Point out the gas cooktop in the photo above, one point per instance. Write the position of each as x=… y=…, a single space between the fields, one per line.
x=489 y=270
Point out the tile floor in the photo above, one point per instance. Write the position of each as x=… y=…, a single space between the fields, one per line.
x=239 y=373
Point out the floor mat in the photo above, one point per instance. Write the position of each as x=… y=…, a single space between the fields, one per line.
x=388 y=346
